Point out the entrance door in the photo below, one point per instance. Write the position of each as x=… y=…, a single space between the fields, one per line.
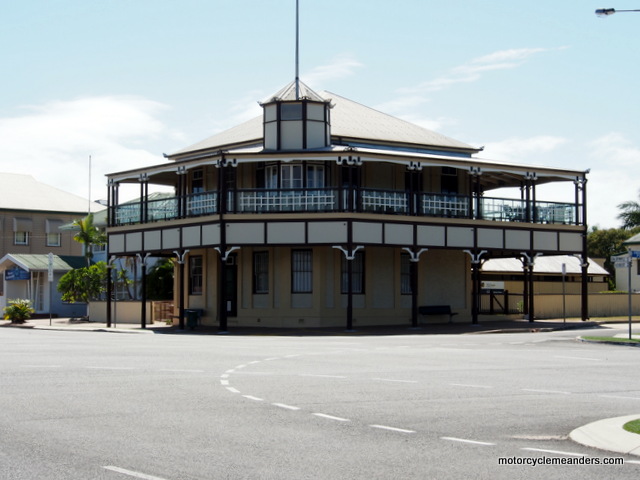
x=231 y=288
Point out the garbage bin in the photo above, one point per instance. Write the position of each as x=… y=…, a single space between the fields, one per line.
x=192 y=318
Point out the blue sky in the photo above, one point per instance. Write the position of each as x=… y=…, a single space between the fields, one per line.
x=543 y=83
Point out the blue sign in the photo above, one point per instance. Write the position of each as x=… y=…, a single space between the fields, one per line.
x=635 y=253
x=16 y=273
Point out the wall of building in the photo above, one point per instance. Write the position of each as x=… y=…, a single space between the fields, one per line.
x=38 y=235
x=444 y=279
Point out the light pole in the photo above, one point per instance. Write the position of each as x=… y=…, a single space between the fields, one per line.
x=605 y=12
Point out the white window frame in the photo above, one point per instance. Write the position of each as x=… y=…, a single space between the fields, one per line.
x=21 y=238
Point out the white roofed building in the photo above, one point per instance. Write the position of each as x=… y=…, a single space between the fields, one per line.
x=325 y=212
x=31 y=214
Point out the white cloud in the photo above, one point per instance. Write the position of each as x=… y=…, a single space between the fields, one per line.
x=612 y=180
x=473 y=70
x=524 y=150
x=53 y=141
x=341 y=66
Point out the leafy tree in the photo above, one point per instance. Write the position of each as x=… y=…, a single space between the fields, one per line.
x=608 y=242
x=89 y=235
x=630 y=214
x=83 y=284
x=160 y=280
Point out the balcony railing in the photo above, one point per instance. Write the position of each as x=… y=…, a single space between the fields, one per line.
x=347 y=200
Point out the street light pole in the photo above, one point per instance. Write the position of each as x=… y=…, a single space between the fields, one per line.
x=604 y=12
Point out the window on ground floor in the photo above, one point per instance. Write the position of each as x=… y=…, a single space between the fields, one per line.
x=195 y=275
x=301 y=271
x=405 y=274
x=357 y=274
x=261 y=272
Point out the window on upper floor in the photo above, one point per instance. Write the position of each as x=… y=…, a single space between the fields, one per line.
x=197 y=181
x=449 y=180
x=292 y=175
x=21 y=238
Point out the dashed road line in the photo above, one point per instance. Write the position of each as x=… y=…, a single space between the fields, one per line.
x=469 y=385
x=224 y=382
x=131 y=473
x=392 y=429
x=619 y=396
x=110 y=368
x=233 y=390
x=285 y=406
x=466 y=440
x=320 y=376
x=251 y=397
x=42 y=366
x=579 y=358
x=331 y=417
x=557 y=452
x=177 y=370
x=394 y=380
x=535 y=390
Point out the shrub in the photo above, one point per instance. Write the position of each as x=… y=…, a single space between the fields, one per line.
x=18 y=310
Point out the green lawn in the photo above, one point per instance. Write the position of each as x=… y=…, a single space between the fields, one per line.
x=612 y=339
x=633 y=426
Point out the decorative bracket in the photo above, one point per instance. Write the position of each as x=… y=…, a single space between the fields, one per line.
x=475 y=257
x=414 y=256
x=226 y=254
x=181 y=256
x=529 y=259
x=414 y=166
x=349 y=255
x=142 y=259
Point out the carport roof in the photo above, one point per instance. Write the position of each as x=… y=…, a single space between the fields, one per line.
x=40 y=262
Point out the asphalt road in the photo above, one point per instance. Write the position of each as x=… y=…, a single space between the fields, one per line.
x=92 y=405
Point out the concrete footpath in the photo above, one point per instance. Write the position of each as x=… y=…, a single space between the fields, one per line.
x=606 y=434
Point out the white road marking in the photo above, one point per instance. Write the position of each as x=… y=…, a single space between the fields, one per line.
x=464 y=440
x=42 y=366
x=233 y=390
x=393 y=429
x=619 y=396
x=110 y=368
x=321 y=376
x=224 y=375
x=283 y=405
x=271 y=359
x=544 y=391
x=251 y=397
x=579 y=358
x=240 y=366
x=224 y=382
x=469 y=385
x=331 y=417
x=230 y=371
x=636 y=462
x=293 y=356
x=254 y=362
x=180 y=370
x=557 y=452
x=394 y=380
x=131 y=473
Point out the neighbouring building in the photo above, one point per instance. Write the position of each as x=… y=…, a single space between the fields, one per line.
x=31 y=214
x=324 y=212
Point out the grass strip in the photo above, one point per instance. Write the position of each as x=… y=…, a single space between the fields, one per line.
x=612 y=339
x=633 y=426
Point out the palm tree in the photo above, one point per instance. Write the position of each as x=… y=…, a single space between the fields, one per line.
x=88 y=235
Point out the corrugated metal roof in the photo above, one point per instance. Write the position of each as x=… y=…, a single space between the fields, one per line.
x=349 y=119
x=551 y=264
x=40 y=262
x=23 y=192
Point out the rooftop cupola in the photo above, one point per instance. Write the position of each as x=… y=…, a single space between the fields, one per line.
x=296 y=118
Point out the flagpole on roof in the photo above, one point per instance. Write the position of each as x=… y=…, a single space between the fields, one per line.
x=89 y=204
x=297 y=51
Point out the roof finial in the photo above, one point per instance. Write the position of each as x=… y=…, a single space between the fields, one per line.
x=297 y=52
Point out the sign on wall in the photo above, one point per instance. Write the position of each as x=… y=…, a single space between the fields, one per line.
x=16 y=273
